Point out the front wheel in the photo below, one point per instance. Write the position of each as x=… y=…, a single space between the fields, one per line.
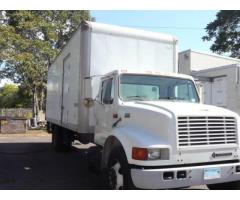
x=118 y=172
x=225 y=186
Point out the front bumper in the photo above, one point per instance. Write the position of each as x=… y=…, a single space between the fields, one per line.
x=153 y=178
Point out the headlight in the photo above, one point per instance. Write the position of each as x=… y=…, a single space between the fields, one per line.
x=154 y=154
x=150 y=153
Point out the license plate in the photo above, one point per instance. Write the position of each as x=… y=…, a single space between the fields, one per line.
x=212 y=173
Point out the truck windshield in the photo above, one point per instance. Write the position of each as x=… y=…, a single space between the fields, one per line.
x=153 y=88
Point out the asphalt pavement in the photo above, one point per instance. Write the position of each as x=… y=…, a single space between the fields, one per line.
x=29 y=162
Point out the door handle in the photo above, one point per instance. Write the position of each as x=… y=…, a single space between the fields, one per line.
x=116 y=122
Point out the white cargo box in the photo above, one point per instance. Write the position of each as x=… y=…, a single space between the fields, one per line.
x=94 y=50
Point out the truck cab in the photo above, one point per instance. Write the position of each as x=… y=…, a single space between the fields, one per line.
x=155 y=133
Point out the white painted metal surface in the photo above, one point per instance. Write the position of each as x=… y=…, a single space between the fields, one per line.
x=153 y=178
x=206 y=130
x=94 y=50
x=64 y=86
x=147 y=118
x=153 y=124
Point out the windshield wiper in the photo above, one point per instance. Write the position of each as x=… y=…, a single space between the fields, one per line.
x=172 y=98
x=141 y=98
x=164 y=98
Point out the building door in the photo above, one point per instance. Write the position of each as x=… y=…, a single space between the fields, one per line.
x=219 y=92
x=207 y=93
x=215 y=92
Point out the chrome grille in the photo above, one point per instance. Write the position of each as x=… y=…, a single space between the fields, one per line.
x=199 y=131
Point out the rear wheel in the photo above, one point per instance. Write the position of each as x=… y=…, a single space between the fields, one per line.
x=49 y=127
x=118 y=172
x=225 y=186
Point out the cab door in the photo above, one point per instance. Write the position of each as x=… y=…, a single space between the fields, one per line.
x=104 y=109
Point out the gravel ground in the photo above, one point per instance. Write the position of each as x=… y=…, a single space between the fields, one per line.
x=30 y=133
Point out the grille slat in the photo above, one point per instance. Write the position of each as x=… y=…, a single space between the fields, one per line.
x=200 y=131
x=204 y=130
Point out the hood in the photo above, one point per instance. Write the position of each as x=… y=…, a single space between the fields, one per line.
x=187 y=108
x=152 y=124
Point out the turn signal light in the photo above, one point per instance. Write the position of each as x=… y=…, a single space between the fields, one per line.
x=139 y=153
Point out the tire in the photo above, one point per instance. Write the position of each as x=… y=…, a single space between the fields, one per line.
x=118 y=172
x=94 y=157
x=225 y=186
x=60 y=140
x=49 y=127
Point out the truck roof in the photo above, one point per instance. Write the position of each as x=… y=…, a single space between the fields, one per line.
x=125 y=71
x=129 y=32
x=121 y=31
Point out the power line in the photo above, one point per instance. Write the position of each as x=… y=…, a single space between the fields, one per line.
x=166 y=27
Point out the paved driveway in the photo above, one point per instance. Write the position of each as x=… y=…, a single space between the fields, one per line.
x=29 y=162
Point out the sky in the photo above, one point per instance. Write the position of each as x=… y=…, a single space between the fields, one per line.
x=187 y=26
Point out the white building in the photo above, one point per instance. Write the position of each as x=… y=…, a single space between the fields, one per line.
x=217 y=77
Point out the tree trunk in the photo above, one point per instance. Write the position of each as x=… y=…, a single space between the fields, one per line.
x=34 y=107
x=41 y=99
x=33 y=103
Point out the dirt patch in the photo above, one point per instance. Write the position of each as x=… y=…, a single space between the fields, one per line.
x=31 y=133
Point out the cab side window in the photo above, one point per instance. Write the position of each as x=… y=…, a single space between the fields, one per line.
x=107 y=94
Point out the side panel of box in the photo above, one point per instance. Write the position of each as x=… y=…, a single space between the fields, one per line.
x=54 y=92
x=113 y=52
x=63 y=86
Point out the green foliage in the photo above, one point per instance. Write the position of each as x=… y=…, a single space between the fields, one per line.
x=8 y=96
x=225 y=33
x=29 y=42
x=12 y=96
x=24 y=98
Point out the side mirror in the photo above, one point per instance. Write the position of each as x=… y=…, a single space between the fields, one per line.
x=88 y=102
x=107 y=101
x=110 y=101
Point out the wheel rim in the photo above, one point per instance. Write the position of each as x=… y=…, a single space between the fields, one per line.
x=116 y=177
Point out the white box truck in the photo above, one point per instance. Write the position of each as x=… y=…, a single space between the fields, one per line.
x=119 y=88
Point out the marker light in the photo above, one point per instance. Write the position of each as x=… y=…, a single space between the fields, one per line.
x=139 y=153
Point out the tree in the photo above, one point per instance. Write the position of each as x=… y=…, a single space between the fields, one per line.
x=225 y=31
x=8 y=95
x=29 y=42
x=13 y=96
